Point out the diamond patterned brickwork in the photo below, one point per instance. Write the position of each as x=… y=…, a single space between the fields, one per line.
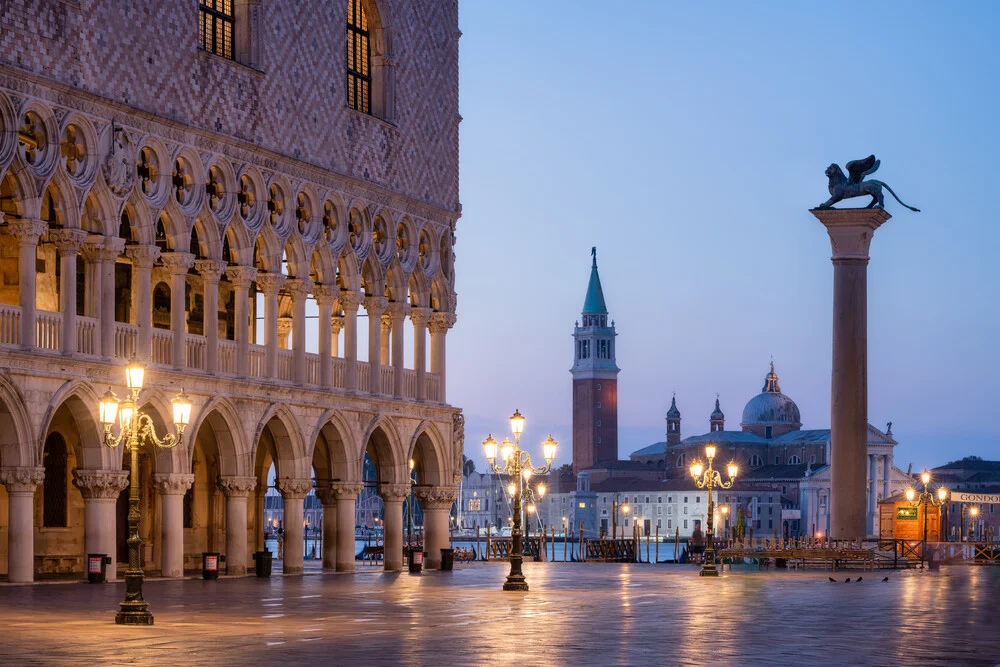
x=145 y=54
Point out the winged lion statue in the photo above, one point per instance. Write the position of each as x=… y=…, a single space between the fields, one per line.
x=854 y=185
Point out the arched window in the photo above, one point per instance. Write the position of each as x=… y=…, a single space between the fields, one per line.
x=680 y=461
x=54 y=499
x=755 y=461
x=359 y=53
x=215 y=26
x=794 y=460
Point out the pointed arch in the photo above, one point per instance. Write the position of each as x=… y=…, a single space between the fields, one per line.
x=348 y=273
x=429 y=453
x=15 y=428
x=141 y=220
x=79 y=401
x=58 y=204
x=334 y=455
x=239 y=243
x=396 y=281
x=220 y=421
x=298 y=255
x=289 y=448
x=267 y=251
x=382 y=442
x=206 y=231
x=372 y=278
x=99 y=213
x=419 y=289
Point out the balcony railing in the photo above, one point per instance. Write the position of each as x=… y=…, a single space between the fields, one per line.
x=49 y=332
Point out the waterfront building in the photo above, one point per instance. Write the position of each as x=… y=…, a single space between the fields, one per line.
x=193 y=184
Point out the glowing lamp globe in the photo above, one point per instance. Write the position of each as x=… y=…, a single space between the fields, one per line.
x=625 y=508
x=942 y=493
x=541 y=490
x=490 y=448
x=517 y=423
x=135 y=372
x=108 y=408
x=506 y=449
x=925 y=477
x=549 y=449
x=973 y=511
x=733 y=469
x=511 y=489
x=125 y=414
x=182 y=411
x=911 y=494
x=710 y=451
x=696 y=469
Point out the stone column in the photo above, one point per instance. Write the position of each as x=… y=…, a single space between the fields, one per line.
x=886 y=475
x=237 y=490
x=93 y=290
x=398 y=312
x=211 y=272
x=349 y=301
x=439 y=324
x=347 y=495
x=270 y=284
x=178 y=264
x=329 y=500
x=325 y=296
x=293 y=491
x=851 y=232
x=27 y=233
x=172 y=488
x=872 y=493
x=375 y=305
x=241 y=277
x=68 y=242
x=21 y=484
x=393 y=496
x=100 y=490
x=143 y=257
x=336 y=324
x=436 y=502
x=419 y=317
x=300 y=291
x=385 y=356
x=113 y=248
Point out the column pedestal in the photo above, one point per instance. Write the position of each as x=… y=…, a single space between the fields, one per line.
x=100 y=490
x=172 y=488
x=21 y=484
x=237 y=490
x=393 y=496
x=347 y=495
x=851 y=232
x=293 y=492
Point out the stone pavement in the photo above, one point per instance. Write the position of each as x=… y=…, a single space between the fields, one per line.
x=575 y=613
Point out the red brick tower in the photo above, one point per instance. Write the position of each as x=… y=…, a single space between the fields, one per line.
x=595 y=381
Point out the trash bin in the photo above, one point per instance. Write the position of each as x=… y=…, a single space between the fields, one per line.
x=97 y=568
x=262 y=563
x=210 y=564
x=416 y=561
x=447 y=560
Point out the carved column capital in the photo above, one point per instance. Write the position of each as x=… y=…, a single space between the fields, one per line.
x=68 y=241
x=100 y=483
x=98 y=251
x=441 y=322
x=393 y=492
x=172 y=484
x=299 y=288
x=437 y=497
x=211 y=270
x=346 y=490
x=142 y=256
x=350 y=300
x=420 y=316
x=397 y=310
x=27 y=231
x=291 y=487
x=336 y=324
x=284 y=326
x=325 y=494
x=237 y=487
x=21 y=480
x=241 y=276
x=270 y=283
x=325 y=293
x=375 y=305
x=851 y=230
x=177 y=263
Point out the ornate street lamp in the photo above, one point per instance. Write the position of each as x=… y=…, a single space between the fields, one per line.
x=973 y=513
x=709 y=479
x=134 y=428
x=926 y=498
x=516 y=464
x=615 y=507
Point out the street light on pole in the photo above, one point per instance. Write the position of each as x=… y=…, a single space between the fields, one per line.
x=709 y=479
x=136 y=427
x=517 y=465
x=926 y=498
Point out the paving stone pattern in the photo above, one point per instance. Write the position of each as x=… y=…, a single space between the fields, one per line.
x=574 y=614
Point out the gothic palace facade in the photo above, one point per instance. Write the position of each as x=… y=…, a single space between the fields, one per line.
x=187 y=183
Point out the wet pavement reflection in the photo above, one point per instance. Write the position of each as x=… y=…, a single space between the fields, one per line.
x=575 y=613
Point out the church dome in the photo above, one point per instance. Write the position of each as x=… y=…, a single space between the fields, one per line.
x=771 y=407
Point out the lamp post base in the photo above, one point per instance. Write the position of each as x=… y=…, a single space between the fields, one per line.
x=515 y=582
x=133 y=617
x=708 y=571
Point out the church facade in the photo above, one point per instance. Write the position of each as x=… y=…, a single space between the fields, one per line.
x=193 y=184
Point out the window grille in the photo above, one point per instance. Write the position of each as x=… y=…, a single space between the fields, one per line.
x=215 y=26
x=359 y=74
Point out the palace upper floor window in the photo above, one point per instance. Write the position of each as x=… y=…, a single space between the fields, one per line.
x=216 y=19
x=359 y=53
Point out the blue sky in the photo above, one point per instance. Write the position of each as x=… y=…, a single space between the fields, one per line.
x=687 y=142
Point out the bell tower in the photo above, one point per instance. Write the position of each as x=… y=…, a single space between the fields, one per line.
x=595 y=380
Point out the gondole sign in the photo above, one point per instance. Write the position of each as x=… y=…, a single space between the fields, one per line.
x=963 y=497
x=906 y=512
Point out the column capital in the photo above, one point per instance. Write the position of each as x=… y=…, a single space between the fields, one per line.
x=270 y=283
x=346 y=490
x=99 y=251
x=211 y=270
x=68 y=241
x=178 y=263
x=420 y=316
x=325 y=293
x=142 y=256
x=172 y=484
x=241 y=276
x=21 y=480
x=100 y=483
x=284 y=326
x=393 y=492
x=237 y=486
x=375 y=305
x=336 y=324
x=437 y=497
x=441 y=322
x=851 y=229
x=325 y=494
x=350 y=300
x=299 y=287
x=27 y=231
x=291 y=487
x=398 y=310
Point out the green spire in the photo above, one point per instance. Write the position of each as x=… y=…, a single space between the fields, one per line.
x=594 y=303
